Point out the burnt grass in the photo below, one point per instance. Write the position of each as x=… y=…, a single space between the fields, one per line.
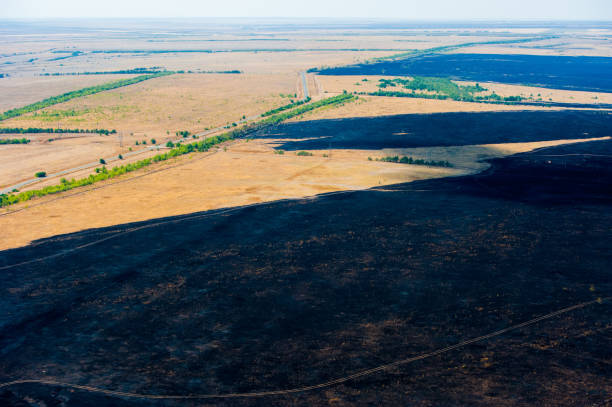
x=440 y=129
x=294 y=293
x=549 y=71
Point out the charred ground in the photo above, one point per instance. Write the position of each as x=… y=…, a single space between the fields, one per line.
x=294 y=293
x=549 y=71
x=441 y=129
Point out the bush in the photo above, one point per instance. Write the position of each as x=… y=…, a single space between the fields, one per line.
x=41 y=174
x=279 y=152
x=120 y=157
x=169 y=144
x=304 y=154
x=102 y=161
x=153 y=141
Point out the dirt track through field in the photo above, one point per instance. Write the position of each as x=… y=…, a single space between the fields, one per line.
x=319 y=386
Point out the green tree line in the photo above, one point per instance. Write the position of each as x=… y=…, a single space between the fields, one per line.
x=14 y=141
x=414 y=161
x=78 y=93
x=286 y=107
x=178 y=150
x=35 y=130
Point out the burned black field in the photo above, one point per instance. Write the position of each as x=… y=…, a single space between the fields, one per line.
x=558 y=72
x=441 y=129
x=295 y=293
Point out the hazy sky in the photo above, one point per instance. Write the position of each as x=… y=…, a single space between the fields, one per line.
x=395 y=9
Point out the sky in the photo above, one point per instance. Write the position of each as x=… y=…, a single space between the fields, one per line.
x=600 y=10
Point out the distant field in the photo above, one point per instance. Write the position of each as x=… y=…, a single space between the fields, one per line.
x=154 y=109
x=21 y=91
x=558 y=72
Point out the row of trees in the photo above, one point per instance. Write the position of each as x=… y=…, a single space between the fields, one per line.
x=134 y=71
x=14 y=141
x=178 y=150
x=78 y=93
x=410 y=160
x=290 y=105
x=35 y=130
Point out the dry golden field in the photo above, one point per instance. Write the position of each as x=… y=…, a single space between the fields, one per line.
x=372 y=106
x=240 y=174
x=21 y=91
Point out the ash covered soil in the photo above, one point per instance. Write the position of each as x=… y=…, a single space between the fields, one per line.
x=294 y=293
x=549 y=71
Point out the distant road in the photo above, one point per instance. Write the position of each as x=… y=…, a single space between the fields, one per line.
x=305 y=86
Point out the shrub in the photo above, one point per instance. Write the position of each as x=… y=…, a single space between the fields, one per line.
x=120 y=157
x=41 y=174
x=279 y=152
x=102 y=161
x=153 y=141
x=169 y=144
x=304 y=154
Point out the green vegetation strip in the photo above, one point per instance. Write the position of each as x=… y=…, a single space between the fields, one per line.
x=35 y=130
x=441 y=88
x=410 y=160
x=14 y=141
x=178 y=150
x=78 y=93
x=286 y=107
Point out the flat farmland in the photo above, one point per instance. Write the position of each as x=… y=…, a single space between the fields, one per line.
x=168 y=104
x=374 y=106
x=154 y=109
x=21 y=91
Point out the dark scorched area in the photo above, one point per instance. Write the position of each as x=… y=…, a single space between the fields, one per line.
x=549 y=71
x=294 y=293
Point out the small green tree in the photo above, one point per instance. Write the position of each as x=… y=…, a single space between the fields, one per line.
x=40 y=174
x=102 y=161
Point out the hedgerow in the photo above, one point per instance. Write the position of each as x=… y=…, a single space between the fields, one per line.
x=178 y=150
x=14 y=141
x=414 y=161
x=78 y=93
x=35 y=130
